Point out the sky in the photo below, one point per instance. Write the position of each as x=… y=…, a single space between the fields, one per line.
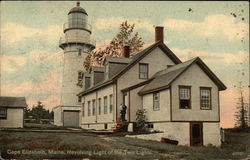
x=216 y=31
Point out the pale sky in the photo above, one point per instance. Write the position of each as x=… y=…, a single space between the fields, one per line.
x=217 y=32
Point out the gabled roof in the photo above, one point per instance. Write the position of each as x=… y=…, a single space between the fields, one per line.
x=164 y=78
x=148 y=50
x=95 y=68
x=117 y=59
x=13 y=102
x=134 y=60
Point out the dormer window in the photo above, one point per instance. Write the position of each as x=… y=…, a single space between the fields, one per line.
x=143 y=71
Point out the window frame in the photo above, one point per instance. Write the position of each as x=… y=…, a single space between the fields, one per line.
x=99 y=106
x=93 y=107
x=79 y=99
x=210 y=98
x=80 y=75
x=79 y=52
x=105 y=107
x=83 y=109
x=190 y=96
x=5 y=110
x=89 y=108
x=110 y=103
x=146 y=64
x=154 y=107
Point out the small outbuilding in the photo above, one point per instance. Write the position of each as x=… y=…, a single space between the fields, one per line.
x=12 y=112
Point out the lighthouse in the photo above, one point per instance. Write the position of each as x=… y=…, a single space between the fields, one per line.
x=76 y=45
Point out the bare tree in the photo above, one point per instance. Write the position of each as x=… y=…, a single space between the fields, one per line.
x=126 y=36
x=242 y=112
x=241 y=115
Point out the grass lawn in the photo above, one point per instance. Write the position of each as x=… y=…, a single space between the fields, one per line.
x=37 y=145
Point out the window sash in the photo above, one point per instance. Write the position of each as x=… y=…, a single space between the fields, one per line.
x=185 y=97
x=80 y=75
x=143 y=71
x=83 y=109
x=99 y=106
x=93 y=107
x=79 y=99
x=156 y=101
x=184 y=93
x=79 y=52
x=205 y=98
x=111 y=103
x=89 y=110
x=3 y=112
x=105 y=105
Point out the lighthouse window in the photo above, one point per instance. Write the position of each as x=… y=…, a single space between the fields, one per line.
x=80 y=75
x=77 y=20
x=79 y=52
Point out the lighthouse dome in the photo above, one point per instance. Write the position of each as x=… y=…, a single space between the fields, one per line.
x=77 y=9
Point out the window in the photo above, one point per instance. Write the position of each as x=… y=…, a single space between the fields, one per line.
x=105 y=105
x=106 y=68
x=89 y=108
x=3 y=113
x=80 y=75
x=156 y=101
x=110 y=103
x=185 y=97
x=143 y=71
x=83 y=109
x=150 y=125
x=105 y=126
x=205 y=96
x=79 y=99
x=93 y=107
x=79 y=52
x=99 y=105
x=87 y=82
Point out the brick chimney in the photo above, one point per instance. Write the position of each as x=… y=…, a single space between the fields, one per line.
x=159 y=35
x=126 y=51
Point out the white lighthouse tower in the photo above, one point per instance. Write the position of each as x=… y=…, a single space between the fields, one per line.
x=76 y=44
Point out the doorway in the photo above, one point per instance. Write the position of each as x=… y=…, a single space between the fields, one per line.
x=196 y=134
x=70 y=118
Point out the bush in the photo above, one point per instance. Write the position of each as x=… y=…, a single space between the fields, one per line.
x=141 y=119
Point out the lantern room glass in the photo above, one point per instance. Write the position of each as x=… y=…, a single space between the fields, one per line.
x=77 y=20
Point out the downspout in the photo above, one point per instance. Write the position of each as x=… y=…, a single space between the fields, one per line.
x=96 y=106
x=114 y=106
x=129 y=106
x=116 y=100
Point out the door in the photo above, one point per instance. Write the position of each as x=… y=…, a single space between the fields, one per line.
x=196 y=133
x=126 y=103
x=71 y=118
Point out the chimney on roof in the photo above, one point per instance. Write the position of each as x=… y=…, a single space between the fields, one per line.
x=159 y=33
x=126 y=51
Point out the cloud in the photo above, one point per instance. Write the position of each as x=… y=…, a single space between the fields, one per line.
x=42 y=55
x=186 y=54
x=211 y=26
x=114 y=22
x=12 y=63
x=47 y=90
x=13 y=33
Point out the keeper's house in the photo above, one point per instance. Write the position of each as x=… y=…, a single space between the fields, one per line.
x=12 y=112
x=181 y=98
